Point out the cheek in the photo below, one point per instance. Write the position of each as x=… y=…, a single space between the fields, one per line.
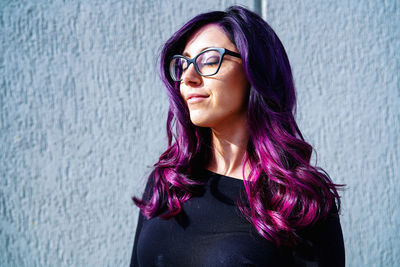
x=235 y=91
x=181 y=92
x=183 y=97
x=230 y=100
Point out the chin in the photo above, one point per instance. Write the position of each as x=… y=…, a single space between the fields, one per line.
x=204 y=118
x=200 y=122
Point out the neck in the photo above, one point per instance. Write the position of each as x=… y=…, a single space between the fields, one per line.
x=229 y=146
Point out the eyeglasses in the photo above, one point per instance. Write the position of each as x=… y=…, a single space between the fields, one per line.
x=207 y=63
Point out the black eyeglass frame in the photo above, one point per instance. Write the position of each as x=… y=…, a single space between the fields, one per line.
x=222 y=53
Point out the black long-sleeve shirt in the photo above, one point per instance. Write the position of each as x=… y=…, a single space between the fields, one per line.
x=211 y=231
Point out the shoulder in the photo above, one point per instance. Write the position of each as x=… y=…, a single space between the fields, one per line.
x=323 y=242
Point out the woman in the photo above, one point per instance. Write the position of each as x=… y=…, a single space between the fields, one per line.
x=235 y=186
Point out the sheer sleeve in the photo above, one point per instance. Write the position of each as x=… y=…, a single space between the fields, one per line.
x=322 y=245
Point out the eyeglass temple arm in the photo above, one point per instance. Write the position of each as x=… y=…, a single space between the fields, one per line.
x=229 y=52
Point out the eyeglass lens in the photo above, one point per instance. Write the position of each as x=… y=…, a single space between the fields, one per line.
x=207 y=64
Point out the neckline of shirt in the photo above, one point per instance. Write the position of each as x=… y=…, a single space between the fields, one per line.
x=236 y=180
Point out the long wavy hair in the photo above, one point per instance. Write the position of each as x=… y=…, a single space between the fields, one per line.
x=283 y=192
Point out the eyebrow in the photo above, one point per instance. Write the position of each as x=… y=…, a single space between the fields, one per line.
x=186 y=54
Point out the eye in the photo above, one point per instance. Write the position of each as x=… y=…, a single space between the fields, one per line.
x=211 y=60
x=183 y=64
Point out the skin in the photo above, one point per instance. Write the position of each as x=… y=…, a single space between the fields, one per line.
x=224 y=111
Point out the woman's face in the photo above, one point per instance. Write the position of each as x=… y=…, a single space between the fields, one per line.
x=225 y=93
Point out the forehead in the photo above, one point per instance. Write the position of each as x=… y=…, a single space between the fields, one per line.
x=210 y=35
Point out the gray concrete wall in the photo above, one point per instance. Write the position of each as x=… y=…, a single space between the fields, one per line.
x=83 y=117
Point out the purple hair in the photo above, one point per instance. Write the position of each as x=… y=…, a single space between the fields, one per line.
x=284 y=192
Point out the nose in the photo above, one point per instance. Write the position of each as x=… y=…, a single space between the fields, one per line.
x=191 y=77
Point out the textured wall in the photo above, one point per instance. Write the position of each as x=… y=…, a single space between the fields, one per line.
x=83 y=116
x=345 y=60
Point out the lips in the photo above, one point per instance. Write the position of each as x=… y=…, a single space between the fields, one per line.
x=196 y=96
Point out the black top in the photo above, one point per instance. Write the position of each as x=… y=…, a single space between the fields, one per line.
x=211 y=231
